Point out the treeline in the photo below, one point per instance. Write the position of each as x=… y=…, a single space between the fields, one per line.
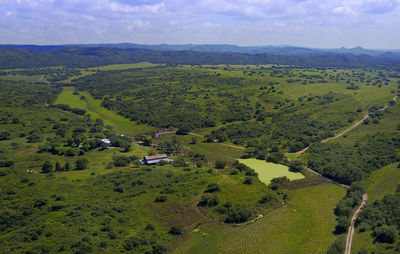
x=88 y=57
x=51 y=74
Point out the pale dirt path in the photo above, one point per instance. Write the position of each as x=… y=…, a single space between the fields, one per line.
x=353 y=220
x=349 y=129
x=366 y=116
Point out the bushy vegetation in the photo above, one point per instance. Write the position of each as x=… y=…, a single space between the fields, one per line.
x=382 y=218
x=346 y=206
x=349 y=163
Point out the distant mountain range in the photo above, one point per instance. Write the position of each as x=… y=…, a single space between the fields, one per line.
x=271 y=50
x=89 y=55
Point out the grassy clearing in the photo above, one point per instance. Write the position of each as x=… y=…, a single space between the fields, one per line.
x=267 y=171
x=213 y=151
x=112 y=67
x=382 y=182
x=304 y=225
x=94 y=108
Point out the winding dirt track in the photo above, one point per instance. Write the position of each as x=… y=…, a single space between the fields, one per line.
x=366 y=116
x=350 y=233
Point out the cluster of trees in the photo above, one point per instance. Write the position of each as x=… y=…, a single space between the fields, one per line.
x=263 y=151
x=26 y=96
x=348 y=163
x=53 y=74
x=345 y=207
x=64 y=107
x=80 y=164
x=238 y=132
x=123 y=161
x=382 y=218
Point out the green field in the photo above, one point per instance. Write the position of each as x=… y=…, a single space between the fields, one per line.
x=267 y=170
x=303 y=225
x=94 y=108
x=213 y=151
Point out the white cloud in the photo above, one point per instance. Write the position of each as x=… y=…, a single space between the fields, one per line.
x=343 y=10
x=298 y=22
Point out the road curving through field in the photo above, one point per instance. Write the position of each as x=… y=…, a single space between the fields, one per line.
x=350 y=233
x=366 y=116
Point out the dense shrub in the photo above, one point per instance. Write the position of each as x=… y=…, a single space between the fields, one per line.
x=175 y=230
x=220 y=164
x=81 y=163
x=386 y=234
x=238 y=214
x=208 y=201
x=160 y=199
x=213 y=187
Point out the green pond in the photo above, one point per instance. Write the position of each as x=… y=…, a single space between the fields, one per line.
x=267 y=170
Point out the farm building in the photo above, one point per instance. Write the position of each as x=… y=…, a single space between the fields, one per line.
x=153 y=159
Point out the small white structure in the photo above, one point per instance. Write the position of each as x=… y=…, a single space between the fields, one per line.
x=153 y=159
x=106 y=141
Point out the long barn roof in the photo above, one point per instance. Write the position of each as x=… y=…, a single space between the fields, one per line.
x=155 y=157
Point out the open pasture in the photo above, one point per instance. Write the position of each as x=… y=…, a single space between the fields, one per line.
x=303 y=225
x=94 y=108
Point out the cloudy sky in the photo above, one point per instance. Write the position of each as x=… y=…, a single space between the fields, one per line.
x=311 y=23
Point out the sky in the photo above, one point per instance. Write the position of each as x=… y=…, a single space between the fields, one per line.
x=310 y=23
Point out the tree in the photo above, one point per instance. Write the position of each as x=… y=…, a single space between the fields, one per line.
x=175 y=144
x=296 y=165
x=67 y=166
x=47 y=167
x=220 y=164
x=342 y=225
x=81 y=164
x=248 y=180
x=338 y=246
x=212 y=187
x=5 y=135
x=146 y=140
x=126 y=147
x=386 y=234
x=184 y=130
x=175 y=230
x=58 y=166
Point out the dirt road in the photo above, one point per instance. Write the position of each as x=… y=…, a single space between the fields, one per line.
x=353 y=220
x=366 y=116
x=349 y=129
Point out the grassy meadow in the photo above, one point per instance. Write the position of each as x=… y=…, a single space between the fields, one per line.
x=213 y=151
x=94 y=108
x=303 y=225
